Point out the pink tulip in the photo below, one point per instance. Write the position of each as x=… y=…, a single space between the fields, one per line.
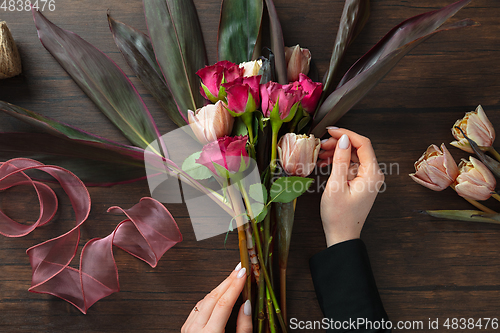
x=477 y=127
x=475 y=180
x=243 y=94
x=213 y=76
x=211 y=122
x=435 y=169
x=287 y=97
x=228 y=152
x=297 y=61
x=312 y=91
x=298 y=153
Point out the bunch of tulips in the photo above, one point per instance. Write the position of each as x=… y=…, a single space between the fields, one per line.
x=472 y=179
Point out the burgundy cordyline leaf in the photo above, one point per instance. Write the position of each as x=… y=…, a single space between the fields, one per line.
x=277 y=43
x=239 y=29
x=101 y=79
x=373 y=66
x=178 y=43
x=137 y=50
x=147 y=233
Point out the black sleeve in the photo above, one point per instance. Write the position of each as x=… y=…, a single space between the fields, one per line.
x=346 y=288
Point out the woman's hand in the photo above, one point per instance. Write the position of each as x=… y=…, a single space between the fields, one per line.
x=212 y=313
x=348 y=196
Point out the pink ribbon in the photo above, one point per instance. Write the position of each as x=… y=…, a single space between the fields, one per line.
x=147 y=233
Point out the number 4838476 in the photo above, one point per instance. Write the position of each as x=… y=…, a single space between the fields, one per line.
x=25 y=5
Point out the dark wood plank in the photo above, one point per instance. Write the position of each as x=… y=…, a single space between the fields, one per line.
x=425 y=268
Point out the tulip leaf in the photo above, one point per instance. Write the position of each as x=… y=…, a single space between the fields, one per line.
x=285 y=189
x=178 y=43
x=354 y=17
x=94 y=165
x=464 y=215
x=239 y=29
x=277 y=43
x=374 y=65
x=137 y=50
x=101 y=79
x=490 y=162
x=196 y=170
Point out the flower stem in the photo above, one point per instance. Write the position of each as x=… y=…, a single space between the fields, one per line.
x=494 y=153
x=274 y=149
x=477 y=204
x=495 y=195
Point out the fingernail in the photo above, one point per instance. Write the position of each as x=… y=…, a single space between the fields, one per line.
x=324 y=141
x=238 y=267
x=247 y=308
x=332 y=128
x=241 y=273
x=344 y=142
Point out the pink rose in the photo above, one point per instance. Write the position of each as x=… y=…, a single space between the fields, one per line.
x=228 y=152
x=243 y=94
x=287 y=97
x=312 y=91
x=213 y=76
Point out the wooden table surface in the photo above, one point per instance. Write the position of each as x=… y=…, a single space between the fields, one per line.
x=425 y=267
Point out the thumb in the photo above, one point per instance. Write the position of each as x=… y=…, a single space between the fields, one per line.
x=341 y=161
x=244 y=321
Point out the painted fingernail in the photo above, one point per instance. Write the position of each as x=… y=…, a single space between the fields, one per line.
x=324 y=141
x=344 y=142
x=242 y=273
x=247 y=308
x=332 y=128
x=238 y=267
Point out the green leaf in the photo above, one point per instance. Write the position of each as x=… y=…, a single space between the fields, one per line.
x=239 y=127
x=137 y=50
x=239 y=28
x=277 y=43
x=196 y=170
x=375 y=64
x=286 y=189
x=354 y=16
x=258 y=192
x=464 y=215
x=99 y=77
x=260 y=211
x=178 y=43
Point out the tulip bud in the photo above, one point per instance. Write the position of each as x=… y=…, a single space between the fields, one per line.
x=475 y=180
x=298 y=153
x=211 y=122
x=297 y=61
x=435 y=169
x=10 y=61
x=477 y=127
x=251 y=68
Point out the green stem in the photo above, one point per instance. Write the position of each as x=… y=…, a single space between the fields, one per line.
x=274 y=149
x=494 y=153
x=272 y=324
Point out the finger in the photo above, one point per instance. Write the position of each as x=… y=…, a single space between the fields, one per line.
x=341 y=161
x=364 y=150
x=208 y=303
x=224 y=306
x=244 y=321
x=323 y=155
x=329 y=144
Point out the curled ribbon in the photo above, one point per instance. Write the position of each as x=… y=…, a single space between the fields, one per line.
x=147 y=233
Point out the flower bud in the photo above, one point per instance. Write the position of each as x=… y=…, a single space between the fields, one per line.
x=251 y=68
x=229 y=153
x=297 y=61
x=285 y=98
x=475 y=180
x=298 y=153
x=10 y=61
x=312 y=92
x=211 y=122
x=243 y=95
x=435 y=169
x=212 y=77
x=477 y=127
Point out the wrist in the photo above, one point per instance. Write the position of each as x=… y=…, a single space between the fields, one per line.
x=333 y=238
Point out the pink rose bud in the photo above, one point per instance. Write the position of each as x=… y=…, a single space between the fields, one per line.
x=475 y=180
x=228 y=152
x=297 y=61
x=477 y=127
x=211 y=122
x=435 y=169
x=243 y=95
x=213 y=76
x=287 y=97
x=312 y=91
x=298 y=153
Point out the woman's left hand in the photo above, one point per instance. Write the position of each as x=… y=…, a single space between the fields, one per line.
x=212 y=313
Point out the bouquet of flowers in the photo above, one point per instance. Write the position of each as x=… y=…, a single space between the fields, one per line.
x=247 y=112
